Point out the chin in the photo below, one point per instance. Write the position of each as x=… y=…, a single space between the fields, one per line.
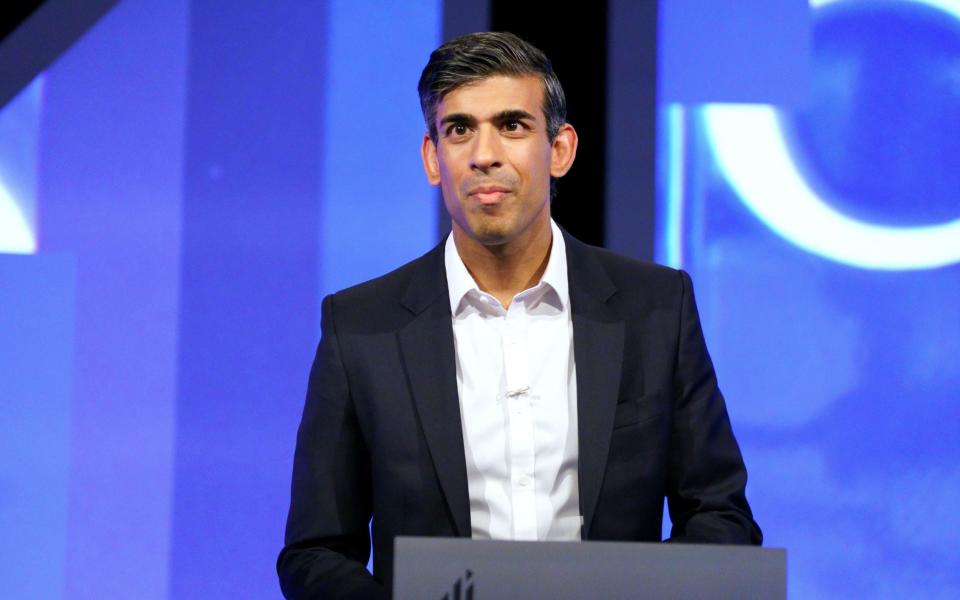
x=488 y=238
x=492 y=234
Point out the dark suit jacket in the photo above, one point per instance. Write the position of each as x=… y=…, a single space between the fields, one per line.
x=381 y=430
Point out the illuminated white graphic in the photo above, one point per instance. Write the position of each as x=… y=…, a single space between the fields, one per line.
x=948 y=6
x=15 y=234
x=19 y=127
x=673 y=222
x=748 y=145
x=749 y=148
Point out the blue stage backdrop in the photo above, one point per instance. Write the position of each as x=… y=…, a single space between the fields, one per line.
x=808 y=180
x=177 y=191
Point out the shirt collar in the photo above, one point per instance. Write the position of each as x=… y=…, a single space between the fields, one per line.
x=460 y=282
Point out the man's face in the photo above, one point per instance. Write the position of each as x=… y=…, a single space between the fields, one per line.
x=493 y=159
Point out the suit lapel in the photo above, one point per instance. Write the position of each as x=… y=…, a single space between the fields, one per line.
x=598 y=343
x=429 y=358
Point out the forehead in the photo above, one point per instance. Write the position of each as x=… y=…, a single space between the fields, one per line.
x=494 y=95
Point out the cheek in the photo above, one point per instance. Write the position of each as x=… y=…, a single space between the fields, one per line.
x=448 y=172
x=536 y=163
x=540 y=171
x=448 y=181
x=449 y=191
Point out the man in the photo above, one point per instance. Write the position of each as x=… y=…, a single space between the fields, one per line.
x=513 y=382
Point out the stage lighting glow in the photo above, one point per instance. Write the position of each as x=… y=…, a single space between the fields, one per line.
x=748 y=145
x=16 y=236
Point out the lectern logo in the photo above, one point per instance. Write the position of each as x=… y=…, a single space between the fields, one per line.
x=462 y=588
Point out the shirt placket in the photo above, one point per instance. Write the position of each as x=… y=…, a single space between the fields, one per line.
x=520 y=424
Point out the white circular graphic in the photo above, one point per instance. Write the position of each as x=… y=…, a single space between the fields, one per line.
x=15 y=234
x=748 y=145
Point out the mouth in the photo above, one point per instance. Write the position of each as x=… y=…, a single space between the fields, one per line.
x=489 y=194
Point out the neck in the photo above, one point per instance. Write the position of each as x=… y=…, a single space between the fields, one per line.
x=505 y=270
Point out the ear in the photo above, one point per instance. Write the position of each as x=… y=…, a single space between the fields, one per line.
x=564 y=150
x=428 y=152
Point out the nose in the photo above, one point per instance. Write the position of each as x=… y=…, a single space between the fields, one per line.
x=486 y=150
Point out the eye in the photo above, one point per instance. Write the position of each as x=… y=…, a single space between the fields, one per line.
x=514 y=127
x=457 y=130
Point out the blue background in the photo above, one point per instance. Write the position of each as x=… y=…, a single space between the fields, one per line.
x=198 y=176
x=843 y=383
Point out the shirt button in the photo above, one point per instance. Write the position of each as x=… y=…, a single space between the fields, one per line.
x=524 y=481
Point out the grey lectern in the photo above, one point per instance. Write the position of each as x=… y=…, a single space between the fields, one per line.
x=463 y=569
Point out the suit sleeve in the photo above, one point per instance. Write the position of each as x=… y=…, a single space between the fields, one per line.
x=327 y=542
x=707 y=477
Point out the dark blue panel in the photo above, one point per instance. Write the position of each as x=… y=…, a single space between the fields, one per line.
x=867 y=117
x=109 y=189
x=249 y=295
x=36 y=356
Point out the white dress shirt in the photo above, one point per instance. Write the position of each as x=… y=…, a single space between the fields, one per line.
x=518 y=403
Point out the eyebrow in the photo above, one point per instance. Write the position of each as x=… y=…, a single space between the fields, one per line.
x=501 y=117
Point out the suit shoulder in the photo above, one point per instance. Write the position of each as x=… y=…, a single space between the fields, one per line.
x=376 y=303
x=378 y=288
x=633 y=274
